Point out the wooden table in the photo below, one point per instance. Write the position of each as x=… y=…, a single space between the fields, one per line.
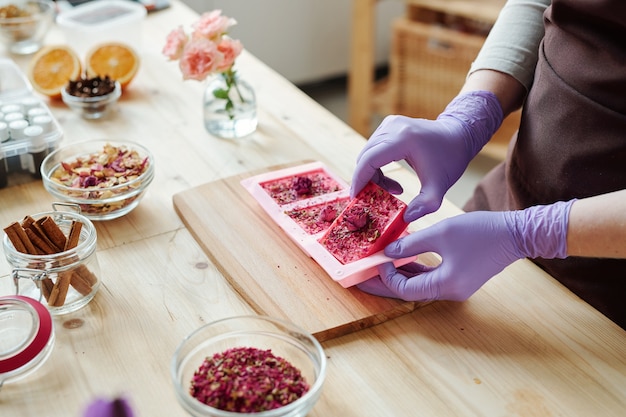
x=522 y=346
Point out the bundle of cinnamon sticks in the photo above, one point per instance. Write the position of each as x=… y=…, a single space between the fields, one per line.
x=44 y=237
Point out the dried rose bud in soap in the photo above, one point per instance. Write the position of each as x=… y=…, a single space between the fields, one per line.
x=315 y=219
x=305 y=185
x=328 y=213
x=247 y=380
x=302 y=185
x=356 y=218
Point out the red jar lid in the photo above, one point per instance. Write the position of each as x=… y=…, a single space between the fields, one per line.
x=26 y=332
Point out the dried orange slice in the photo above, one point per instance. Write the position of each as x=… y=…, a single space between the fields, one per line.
x=117 y=60
x=52 y=67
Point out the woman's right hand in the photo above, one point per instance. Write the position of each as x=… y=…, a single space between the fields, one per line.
x=437 y=150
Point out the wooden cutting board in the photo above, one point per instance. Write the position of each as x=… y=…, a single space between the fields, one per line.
x=269 y=271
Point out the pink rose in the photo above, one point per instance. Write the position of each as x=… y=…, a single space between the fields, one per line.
x=200 y=58
x=230 y=49
x=175 y=43
x=205 y=51
x=212 y=25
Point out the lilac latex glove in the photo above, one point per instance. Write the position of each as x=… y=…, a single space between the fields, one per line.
x=100 y=407
x=437 y=150
x=474 y=247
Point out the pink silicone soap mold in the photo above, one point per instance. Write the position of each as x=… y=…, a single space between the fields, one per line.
x=311 y=204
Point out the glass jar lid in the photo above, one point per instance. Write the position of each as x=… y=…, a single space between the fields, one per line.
x=26 y=336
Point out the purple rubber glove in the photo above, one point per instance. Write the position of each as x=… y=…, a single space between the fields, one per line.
x=100 y=407
x=437 y=150
x=474 y=247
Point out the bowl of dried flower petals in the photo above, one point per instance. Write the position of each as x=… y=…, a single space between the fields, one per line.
x=248 y=366
x=105 y=178
x=25 y=23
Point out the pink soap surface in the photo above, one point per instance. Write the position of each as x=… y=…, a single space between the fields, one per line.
x=302 y=186
x=317 y=218
x=369 y=222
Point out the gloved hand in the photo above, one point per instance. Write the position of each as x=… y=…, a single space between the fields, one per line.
x=474 y=247
x=437 y=150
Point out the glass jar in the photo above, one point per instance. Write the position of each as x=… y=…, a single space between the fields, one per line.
x=27 y=337
x=64 y=281
x=229 y=106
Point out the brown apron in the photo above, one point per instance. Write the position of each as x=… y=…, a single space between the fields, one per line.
x=572 y=137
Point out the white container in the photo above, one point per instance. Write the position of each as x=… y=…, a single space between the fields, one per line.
x=97 y=22
x=16 y=95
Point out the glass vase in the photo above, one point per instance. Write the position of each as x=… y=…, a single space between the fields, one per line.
x=229 y=106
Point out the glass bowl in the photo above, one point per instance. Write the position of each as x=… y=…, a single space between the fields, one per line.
x=284 y=339
x=79 y=173
x=95 y=107
x=24 y=24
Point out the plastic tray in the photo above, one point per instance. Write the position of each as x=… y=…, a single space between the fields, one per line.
x=97 y=22
x=278 y=209
x=23 y=154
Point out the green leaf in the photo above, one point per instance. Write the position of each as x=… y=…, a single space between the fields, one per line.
x=221 y=93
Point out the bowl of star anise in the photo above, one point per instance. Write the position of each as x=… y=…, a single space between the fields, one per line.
x=92 y=97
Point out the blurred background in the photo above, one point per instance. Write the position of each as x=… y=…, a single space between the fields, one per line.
x=417 y=52
x=306 y=41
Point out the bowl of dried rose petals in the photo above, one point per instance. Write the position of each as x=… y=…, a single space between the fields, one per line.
x=105 y=178
x=248 y=365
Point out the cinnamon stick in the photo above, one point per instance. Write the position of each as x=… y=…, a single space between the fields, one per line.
x=80 y=283
x=27 y=221
x=52 y=231
x=82 y=278
x=59 y=291
x=74 y=235
x=87 y=275
x=41 y=234
x=40 y=243
x=46 y=288
x=44 y=236
x=19 y=239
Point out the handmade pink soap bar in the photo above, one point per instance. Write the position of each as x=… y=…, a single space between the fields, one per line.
x=317 y=218
x=302 y=186
x=372 y=220
x=345 y=237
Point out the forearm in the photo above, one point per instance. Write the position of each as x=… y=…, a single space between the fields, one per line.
x=597 y=226
x=508 y=90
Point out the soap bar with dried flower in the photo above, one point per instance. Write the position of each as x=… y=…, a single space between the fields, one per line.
x=372 y=220
x=302 y=186
x=317 y=218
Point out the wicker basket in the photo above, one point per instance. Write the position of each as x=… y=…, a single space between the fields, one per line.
x=428 y=66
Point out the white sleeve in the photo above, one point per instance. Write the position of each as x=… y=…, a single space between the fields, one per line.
x=513 y=43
